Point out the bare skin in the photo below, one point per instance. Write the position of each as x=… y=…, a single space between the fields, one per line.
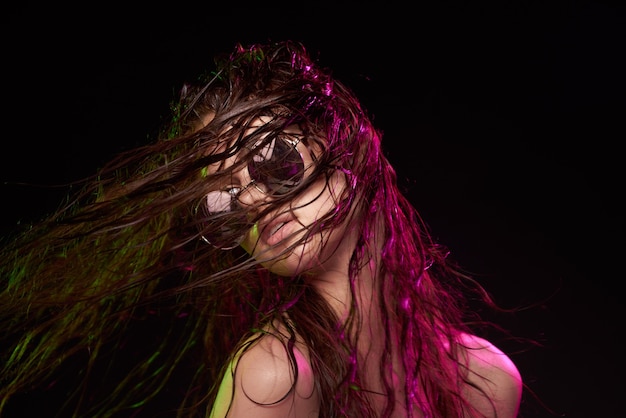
x=263 y=377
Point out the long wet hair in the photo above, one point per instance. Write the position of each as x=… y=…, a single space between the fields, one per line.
x=117 y=305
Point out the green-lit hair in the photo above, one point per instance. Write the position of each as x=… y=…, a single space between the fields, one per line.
x=114 y=305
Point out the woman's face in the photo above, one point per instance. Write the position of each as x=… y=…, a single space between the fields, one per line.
x=271 y=238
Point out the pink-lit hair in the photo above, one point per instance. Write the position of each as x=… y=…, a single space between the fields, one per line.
x=119 y=287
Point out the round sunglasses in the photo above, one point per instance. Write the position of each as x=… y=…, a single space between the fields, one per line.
x=275 y=168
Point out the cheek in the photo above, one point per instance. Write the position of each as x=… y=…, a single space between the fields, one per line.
x=330 y=193
x=320 y=199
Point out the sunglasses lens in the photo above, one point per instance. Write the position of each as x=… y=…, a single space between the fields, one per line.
x=227 y=227
x=278 y=166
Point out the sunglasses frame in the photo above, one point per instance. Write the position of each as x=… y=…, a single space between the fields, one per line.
x=255 y=183
x=234 y=195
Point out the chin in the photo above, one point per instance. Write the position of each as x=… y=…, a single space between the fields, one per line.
x=304 y=258
x=279 y=260
x=287 y=265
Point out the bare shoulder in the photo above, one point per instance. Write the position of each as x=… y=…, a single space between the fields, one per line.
x=495 y=374
x=270 y=379
x=269 y=370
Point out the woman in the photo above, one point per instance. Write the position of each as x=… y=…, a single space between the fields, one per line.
x=258 y=260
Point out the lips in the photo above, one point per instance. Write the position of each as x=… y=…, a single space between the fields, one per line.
x=276 y=230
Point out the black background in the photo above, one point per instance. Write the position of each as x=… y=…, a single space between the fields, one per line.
x=505 y=121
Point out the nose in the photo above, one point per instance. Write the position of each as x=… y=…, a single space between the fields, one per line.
x=249 y=194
